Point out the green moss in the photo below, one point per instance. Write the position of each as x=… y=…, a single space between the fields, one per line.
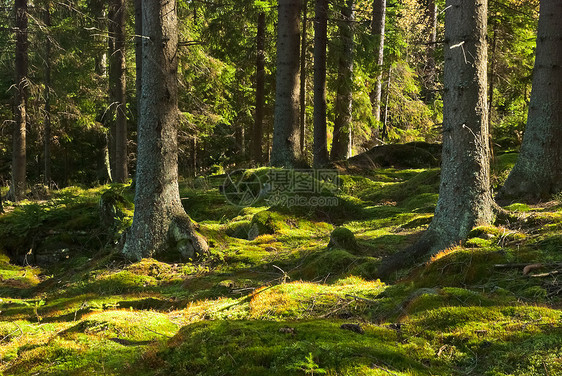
x=518 y=207
x=343 y=238
x=262 y=348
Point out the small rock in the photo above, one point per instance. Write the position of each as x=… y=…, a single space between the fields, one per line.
x=287 y=330
x=353 y=327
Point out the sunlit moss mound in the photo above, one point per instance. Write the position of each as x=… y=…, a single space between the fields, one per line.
x=261 y=348
x=335 y=263
x=306 y=300
x=510 y=340
x=459 y=267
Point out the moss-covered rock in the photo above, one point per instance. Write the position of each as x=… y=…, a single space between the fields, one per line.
x=266 y=222
x=343 y=238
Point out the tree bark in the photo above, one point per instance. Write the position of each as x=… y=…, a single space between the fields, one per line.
x=320 y=152
x=538 y=170
x=118 y=89
x=160 y=223
x=138 y=55
x=257 y=138
x=19 y=157
x=286 y=136
x=431 y=76
x=341 y=143
x=304 y=45
x=465 y=198
x=47 y=179
x=378 y=27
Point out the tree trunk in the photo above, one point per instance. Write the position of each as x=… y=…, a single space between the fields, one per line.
x=47 y=179
x=341 y=144
x=304 y=45
x=118 y=89
x=465 y=198
x=379 y=16
x=320 y=152
x=286 y=136
x=431 y=75
x=138 y=55
x=257 y=138
x=160 y=223
x=538 y=171
x=384 y=129
x=491 y=81
x=17 y=190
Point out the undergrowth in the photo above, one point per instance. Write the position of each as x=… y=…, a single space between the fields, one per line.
x=283 y=292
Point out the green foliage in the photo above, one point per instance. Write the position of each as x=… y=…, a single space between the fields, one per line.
x=262 y=305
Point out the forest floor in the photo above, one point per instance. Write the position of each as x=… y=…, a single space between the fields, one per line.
x=276 y=297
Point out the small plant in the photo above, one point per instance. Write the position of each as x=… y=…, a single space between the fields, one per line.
x=309 y=366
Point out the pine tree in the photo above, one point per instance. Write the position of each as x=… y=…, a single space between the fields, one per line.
x=160 y=223
x=286 y=133
x=538 y=170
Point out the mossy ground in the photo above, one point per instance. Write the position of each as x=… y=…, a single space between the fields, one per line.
x=273 y=302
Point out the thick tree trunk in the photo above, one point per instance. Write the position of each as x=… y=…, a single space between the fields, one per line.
x=304 y=45
x=19 y=157
x=378 y=24
x=257 y=138
x=47 y=179
x=118 y=89
x=286 y=136
x=341 y=144
x=320 y=152
x=538 y=171
x=465 y=198
x=160 y=223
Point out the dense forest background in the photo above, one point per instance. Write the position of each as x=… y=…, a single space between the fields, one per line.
x=74 y=41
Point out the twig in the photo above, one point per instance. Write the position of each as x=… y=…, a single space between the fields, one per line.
x=285 y=275
x=337 y=309
x=383 y=369
x=9 y=334
x=360 y=298
x=160 y=334
x=543 y=275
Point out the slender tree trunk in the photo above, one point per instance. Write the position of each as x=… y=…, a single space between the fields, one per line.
x=286 y=132
x=384 y=131
x=47 y=129
x=538 y=170
x=118 y=89
x=19 y=134
x=465 y=198
x=341 y=144
x=161 y=226
x=110 y=114
x=320 y=153
x=304 y=46
x=431 y=67
x=491 y=82
x=138 y=55
x=378 y=24
x=257 y=138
